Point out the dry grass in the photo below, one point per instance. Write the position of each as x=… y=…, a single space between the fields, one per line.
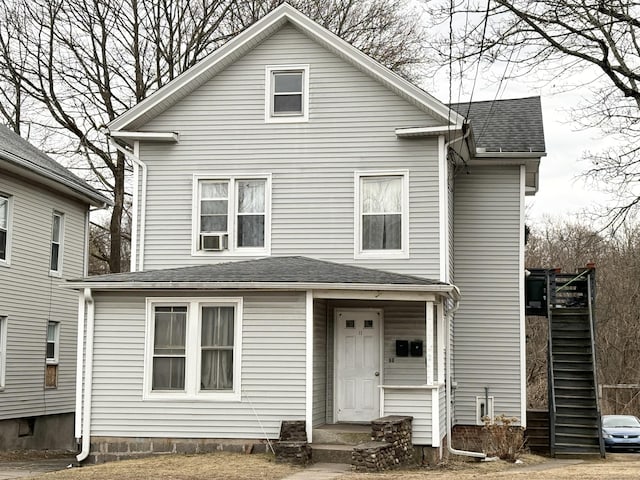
x=213 y=466
x=533 y=468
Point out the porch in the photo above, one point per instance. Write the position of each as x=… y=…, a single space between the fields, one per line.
x=377 y=357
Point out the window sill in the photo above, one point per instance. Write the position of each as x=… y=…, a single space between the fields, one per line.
x=288 y=119
x=184 y=397
x=381 y=255
x=55 y=274
x=5 y=263
x=234 y=253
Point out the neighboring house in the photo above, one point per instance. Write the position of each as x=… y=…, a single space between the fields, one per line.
x=302 y=215
x=44 y=215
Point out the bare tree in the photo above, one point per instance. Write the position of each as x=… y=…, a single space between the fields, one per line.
x=71 y=66
x=595 y=43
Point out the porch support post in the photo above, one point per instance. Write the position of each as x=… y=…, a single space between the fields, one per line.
x=309 y=366
x=429 y=341
x=441 y=339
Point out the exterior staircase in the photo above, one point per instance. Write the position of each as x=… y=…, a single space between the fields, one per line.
x=574 y=414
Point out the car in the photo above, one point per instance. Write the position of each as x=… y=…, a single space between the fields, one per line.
x=621 y=432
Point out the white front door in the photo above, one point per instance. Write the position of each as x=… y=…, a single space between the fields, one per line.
x=357 y=366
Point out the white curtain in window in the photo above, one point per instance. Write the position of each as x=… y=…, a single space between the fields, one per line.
x=381 y=213
x=217 y=336
x=170 y=329
x=251 y=209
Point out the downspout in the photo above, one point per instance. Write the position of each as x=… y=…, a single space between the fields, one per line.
x=133 y=156
x=88 y=377
x=449 y=316
x=79 y=358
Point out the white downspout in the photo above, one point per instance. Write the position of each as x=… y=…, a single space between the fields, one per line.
x=88 y=378
x=79 y=359
x=133 y=156
x=448 y=317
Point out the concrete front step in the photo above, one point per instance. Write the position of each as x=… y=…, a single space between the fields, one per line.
x=328 y=453
x=342 y=434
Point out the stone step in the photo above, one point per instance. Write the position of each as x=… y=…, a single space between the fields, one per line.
x=331 y=453
x=342 y=434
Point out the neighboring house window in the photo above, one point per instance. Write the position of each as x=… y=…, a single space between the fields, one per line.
x=3 y=348
x=382 y=214
x=194 y=348
x=57 y=233
x=232 y=215
x=52 y=354
x=287 y=93
x=4 y=228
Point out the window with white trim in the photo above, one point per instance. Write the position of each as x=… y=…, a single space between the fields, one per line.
x=194 y=348
x=52 y=354
x=4 y=228
x=3 y=348
x=57 y=235
x=232 y=215
x=287 y=93
x=382 y=214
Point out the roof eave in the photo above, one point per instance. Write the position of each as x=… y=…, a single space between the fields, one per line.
x=26 y=169
x=442 y=289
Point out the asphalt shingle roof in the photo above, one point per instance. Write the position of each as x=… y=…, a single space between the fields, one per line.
x=15 y=149
x=286 y=270
x=513 y=125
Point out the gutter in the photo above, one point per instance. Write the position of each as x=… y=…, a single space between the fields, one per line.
x=79 y=364
x=449 y=317
x=88 y=378
x=143 y=202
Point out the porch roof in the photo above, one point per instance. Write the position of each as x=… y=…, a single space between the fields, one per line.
x=267 y=273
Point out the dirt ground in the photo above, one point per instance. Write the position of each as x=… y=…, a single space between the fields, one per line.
x=253 y=467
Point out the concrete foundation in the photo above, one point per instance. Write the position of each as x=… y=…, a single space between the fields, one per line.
x=109 y=449
x=47 y=432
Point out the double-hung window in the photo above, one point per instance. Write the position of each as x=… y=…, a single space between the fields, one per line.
x=4 y=229
x=232 y=216
x=382 y=214
x=287 y=93
x=52 y=354
x=194 y=348
x=57 y=235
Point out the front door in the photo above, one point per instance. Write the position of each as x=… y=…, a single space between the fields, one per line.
x=357 y=365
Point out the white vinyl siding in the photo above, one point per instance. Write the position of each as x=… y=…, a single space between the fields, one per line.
x=486 y=342
x=30 y=297
x=351 y=128
x=319 y=362
x=272 y=371
x=417 y=403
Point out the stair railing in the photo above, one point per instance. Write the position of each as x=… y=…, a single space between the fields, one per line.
x=592 y=324
x=550 y=374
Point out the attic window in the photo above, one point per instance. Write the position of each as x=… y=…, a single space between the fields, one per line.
x=287 y=94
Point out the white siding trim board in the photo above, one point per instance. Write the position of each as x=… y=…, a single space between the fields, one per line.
x=309 y=365
x=523 y=318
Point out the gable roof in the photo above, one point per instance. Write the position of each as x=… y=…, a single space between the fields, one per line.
x=17 y=152
x=513 y=125
x=271 y=272
x=217 y=61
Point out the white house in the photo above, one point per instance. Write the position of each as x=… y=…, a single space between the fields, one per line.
x=44 y=212
x=315 y=239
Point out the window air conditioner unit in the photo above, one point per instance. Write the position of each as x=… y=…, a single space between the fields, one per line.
x=213 y=242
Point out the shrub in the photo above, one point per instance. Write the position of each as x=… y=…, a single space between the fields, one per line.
x=501 y=438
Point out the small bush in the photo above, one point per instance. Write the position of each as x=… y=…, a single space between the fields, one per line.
x=501 y=438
